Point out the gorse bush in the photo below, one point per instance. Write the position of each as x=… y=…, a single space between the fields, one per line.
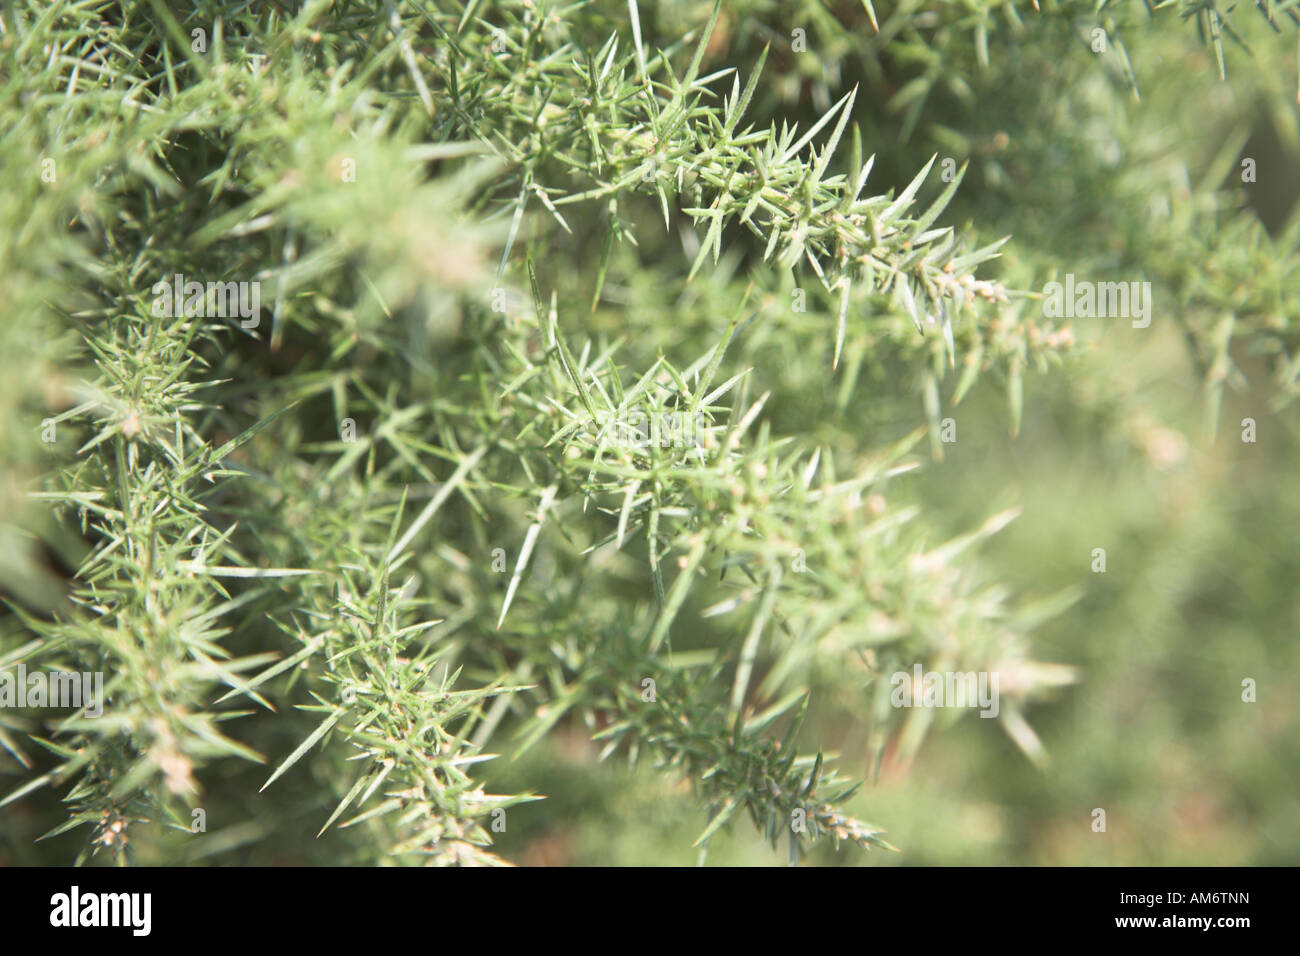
x=392 y=389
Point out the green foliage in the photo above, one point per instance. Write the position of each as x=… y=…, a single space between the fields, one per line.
x=351 y=562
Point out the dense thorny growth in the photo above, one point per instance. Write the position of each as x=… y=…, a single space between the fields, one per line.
x=396 y=523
